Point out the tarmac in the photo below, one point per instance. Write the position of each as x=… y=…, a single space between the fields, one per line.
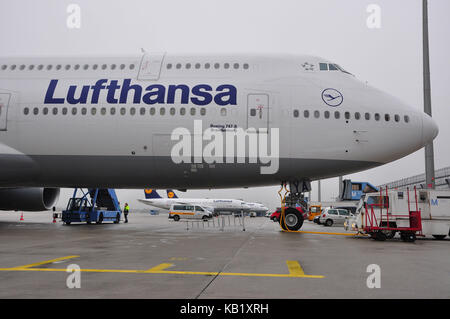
x=154 y=257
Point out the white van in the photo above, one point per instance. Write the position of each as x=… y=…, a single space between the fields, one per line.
x=179 y=211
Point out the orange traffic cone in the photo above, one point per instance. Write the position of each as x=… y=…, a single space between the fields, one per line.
x=21 y=217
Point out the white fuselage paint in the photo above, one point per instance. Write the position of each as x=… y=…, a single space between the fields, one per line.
x=110 y=150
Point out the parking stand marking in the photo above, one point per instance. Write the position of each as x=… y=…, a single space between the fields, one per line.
x=295 y=270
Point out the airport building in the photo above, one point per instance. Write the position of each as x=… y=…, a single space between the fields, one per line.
x=442 y=181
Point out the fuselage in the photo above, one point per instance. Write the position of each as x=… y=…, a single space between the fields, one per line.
x=108 y=121
x=215 y=205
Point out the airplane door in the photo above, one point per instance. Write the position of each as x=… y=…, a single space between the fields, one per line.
x=4 y=102
x=258 y=111
x=151 y=66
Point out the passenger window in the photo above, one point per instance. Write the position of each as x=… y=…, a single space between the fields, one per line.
x=223 y=111
x=152 y=111
x=377 y=117
x=83 y=111
x=172 y=111
x=182 y=111
x=192 y=110
x=306 y=113
x=406 y=119
x=35 y=111
x=316 y=114
x=337 y=115
x=323 y=66
x=133 y=111
x=199 y=209
x=64 y=110
x=202 y=111
x=357 y=116
x=93 y=111
x=44 y=111
x=387 y=117
x=112 y=111
x=103 y=110
x=123 y=111
x=347 y=115
x=296 y=113
x=55 y=111
x=162 y=111
x=142 y=111
x=26 y=111
x=252 y=112
x=367 y=116
x=326 y=114
x=397 y=118
x=74 y=111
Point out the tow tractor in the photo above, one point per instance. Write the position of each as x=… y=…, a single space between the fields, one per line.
x=94 y=205
x=381 y=215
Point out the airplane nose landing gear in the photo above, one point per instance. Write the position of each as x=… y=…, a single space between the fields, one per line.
x=293 y=205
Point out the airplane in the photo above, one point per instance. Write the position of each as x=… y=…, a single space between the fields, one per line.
x=109 y=122
x=215 y=205
x=252 y=207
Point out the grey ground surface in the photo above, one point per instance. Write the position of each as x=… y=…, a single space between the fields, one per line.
x=207 y=262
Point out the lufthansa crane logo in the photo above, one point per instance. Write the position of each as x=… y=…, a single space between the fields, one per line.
x=170 y=194
x=148 y=191
x=332 y=97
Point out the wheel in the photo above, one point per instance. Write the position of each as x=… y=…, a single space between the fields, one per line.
x=67 y=223
x=389 y=233
x=100 y=219
x=408 y=237
x=380 y=236
x=328 y=222
x=176 y=218
x=275 y=219
x=205 y=218
x=439 y=237
x=293 y=219
x=117 y=219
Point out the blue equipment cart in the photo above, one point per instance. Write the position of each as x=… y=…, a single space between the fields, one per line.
x=94 y=205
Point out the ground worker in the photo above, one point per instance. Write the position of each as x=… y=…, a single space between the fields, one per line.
x=126 y=210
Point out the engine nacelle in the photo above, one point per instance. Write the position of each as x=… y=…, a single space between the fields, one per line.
x=28 y=199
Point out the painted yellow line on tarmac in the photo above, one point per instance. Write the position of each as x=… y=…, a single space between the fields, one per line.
x=44 y=262
x=295 y=270
x=160 y=267
x=320 y=233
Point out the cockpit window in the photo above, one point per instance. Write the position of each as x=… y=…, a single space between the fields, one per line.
x=331 y=67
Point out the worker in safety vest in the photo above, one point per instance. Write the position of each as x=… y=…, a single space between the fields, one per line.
x=126 y=210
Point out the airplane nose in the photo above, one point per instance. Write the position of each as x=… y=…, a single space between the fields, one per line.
x=430 y=129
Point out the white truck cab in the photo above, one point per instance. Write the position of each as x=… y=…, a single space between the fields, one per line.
x=188 y=211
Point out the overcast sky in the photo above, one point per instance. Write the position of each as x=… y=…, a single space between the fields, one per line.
x=389 y=57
